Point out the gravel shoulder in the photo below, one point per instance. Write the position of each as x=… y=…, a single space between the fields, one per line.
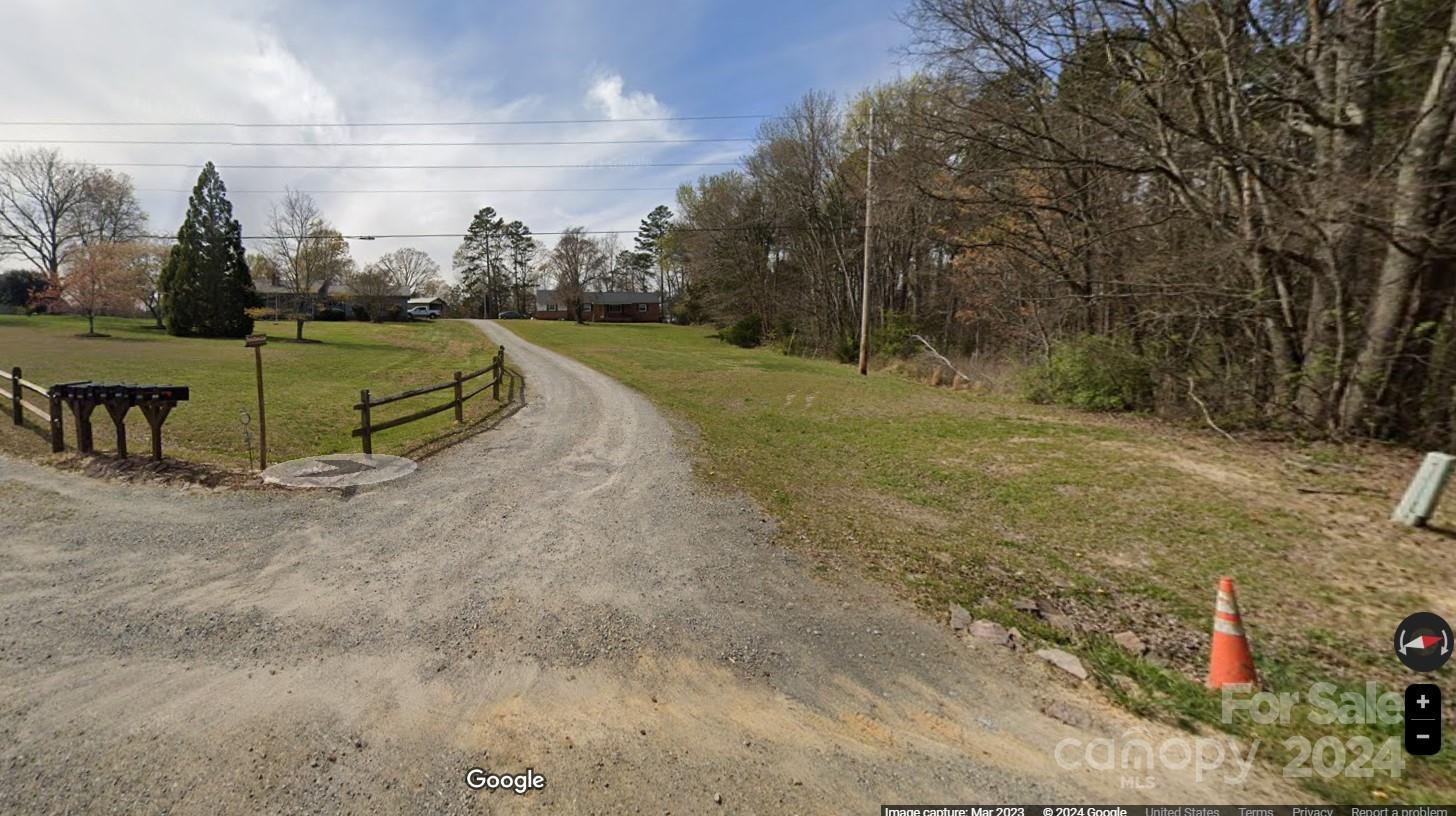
x=558 y=593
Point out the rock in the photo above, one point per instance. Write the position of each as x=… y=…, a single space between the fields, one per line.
x=1064 y=623
x=1126 y=684
x=1131 y=642
x=989 y=630
x=1028 y=606
x=1075 y=717
x=717 y=798
x=1064 y=661
x=959 y=617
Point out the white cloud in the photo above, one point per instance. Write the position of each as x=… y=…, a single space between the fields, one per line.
x=152 y=60
x=606 y=93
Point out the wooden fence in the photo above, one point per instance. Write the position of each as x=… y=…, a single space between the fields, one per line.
x=367 y=427
x=51 y=414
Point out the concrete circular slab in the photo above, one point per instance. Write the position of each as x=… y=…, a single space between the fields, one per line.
x=339 y=470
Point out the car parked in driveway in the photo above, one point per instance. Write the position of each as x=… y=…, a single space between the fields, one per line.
x=513 y=316
x=423 y=312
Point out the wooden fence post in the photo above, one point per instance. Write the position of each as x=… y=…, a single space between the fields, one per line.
x=58 y=430
x=364 y=421
x=15 y=395
x=500 y=370
x=459 y=399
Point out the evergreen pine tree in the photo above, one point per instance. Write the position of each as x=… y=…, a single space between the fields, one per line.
x=206 y=288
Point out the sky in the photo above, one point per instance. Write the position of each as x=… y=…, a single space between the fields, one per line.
x=341 y=66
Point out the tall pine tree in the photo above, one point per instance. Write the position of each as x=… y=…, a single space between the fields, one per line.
x=206 y=288
x=480 y=260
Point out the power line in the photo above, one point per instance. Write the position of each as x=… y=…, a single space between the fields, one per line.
x=470 y=123
x=231 y=143
x=586 y=165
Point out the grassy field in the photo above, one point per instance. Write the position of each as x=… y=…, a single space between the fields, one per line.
x=311 y=387
x=1121 y=524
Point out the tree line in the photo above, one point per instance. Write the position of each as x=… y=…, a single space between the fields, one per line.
x=1244 y=206
x=85 y=238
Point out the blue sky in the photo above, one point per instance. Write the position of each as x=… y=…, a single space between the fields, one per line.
x=340 y=64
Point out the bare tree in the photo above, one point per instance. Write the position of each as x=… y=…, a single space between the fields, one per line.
x=307 y=252
x=409 y=269
x=578 y=263
x=374 y=286
x=39 y=194
x=108 y=210
x=148 y=260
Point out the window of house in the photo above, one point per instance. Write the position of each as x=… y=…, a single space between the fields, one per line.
x=642 y=307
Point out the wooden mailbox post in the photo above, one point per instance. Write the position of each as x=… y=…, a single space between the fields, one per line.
x=256 y=343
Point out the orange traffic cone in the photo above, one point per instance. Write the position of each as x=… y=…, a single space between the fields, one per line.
x=1230 y=663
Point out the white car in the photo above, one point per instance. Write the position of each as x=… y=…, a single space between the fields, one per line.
x=423 y=312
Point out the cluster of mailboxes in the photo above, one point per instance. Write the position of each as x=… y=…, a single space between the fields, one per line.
x=154 y=401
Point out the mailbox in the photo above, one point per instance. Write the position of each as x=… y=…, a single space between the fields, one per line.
x=154 y=401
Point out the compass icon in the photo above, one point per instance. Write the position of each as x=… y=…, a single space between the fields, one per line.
x=1423 y=642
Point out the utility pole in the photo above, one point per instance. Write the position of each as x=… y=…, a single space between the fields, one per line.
x=864 y=300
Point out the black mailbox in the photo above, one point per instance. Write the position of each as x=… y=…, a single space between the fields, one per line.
x=154 y=401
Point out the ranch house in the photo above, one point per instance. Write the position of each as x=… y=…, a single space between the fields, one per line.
x=602 y=307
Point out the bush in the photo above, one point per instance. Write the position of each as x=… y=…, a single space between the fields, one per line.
x=331 y=315
x=746 y=333
x=893 y=339
x=1094 y=373
x=688 y=307
x=847 y=349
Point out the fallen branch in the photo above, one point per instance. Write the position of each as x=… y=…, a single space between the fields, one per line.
x=941 y=357
x=1207 y=417
x=1359 y=491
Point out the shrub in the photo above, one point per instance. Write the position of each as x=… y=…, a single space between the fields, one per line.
x=893 y=338
x=1093 y=373
x=746 y=333
x=847 y=349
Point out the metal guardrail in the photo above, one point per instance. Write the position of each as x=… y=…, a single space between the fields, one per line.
x=367 y=427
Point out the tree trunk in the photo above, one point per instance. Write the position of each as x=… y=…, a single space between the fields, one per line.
x=298 y=329
x=1413 y=208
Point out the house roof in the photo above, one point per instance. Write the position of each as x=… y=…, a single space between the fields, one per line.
x=605 y=298
x=424 y=301
x=266 y=287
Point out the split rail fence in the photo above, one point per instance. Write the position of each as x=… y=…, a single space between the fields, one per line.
x=367 y=403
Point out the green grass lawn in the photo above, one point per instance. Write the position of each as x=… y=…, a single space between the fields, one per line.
x=1121 y=523
x=311 y=387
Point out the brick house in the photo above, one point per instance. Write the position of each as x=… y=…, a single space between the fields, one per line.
x=602 y=307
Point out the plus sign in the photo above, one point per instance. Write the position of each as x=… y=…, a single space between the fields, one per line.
x=1422 y=701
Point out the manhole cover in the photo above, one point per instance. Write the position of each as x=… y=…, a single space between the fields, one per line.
x=339 y=470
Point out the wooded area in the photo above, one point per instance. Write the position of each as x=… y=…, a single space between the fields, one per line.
x=1252 y=202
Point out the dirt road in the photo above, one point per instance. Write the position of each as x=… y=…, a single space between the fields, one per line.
x=556 y=594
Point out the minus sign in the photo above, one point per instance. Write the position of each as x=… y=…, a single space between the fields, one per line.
x=1423 y=736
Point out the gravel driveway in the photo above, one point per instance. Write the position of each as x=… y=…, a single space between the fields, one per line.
x=557 y=594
